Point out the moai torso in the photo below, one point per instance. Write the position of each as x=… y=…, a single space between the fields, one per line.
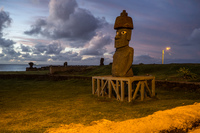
x=123 y=57
x=122 y=62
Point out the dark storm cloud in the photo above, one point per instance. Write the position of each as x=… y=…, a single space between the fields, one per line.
x=67 y=56
x=25 y=48
x=61 y=9
x=67 y=21
x=97 y=45
x=53 y=48
x=1 y=55
x=6 y=42
x=5 y=21
x=37 y=27
x=10 y=52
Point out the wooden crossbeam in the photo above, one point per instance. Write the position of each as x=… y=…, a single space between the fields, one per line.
x=122 y=90
x=136 y=90
x=103 y=86
x=115 y=89
x=148 y=88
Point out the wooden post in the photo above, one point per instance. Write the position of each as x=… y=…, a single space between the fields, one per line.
x=93 y=85
x=98 y=87
x=117 y=89
x=102 y=87
x=148 y=89
x=122 y=90
x=142 y=90
x=153 y=87
x=109 y=89
x=129 y=90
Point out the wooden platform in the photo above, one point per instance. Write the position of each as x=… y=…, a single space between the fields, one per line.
x=134 y=84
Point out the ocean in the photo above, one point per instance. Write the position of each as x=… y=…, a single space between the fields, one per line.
x=17 y=67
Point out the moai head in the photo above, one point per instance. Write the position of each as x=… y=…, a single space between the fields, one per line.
x=102 y=62
x=65 y=64
x=124 y=26
x=31 y=64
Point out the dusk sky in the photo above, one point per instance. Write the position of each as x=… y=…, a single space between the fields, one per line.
x=81 y=31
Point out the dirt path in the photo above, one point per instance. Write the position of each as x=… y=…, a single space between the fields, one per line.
x=179 y=118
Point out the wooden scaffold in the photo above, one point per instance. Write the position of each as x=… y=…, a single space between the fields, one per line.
x=109 y=84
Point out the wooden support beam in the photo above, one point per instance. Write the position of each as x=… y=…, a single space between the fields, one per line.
x=115 y=89
x=136 y=90
x=145 y=82
x=142 y=90
x=109 y=89
x=129 y=90
x=153 y=87
x=93 y=85
x=122 y=90
x=98 y=87
x=103 y=86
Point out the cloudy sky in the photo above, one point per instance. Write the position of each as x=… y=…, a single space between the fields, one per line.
x=81 y=31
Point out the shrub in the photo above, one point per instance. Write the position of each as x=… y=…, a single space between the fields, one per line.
x=185 y=73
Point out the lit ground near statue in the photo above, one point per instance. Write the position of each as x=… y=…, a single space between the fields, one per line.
x=177 y=119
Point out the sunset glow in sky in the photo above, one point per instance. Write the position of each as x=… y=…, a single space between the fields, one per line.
x=81 y=31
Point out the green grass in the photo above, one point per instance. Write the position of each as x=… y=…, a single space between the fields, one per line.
x=35 y=106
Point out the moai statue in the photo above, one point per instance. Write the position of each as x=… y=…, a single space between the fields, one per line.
x=65 y=64
x=102 y=62
x=123 y=57
x=31 y=64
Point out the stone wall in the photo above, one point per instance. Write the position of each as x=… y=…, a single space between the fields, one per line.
x=54 y=69
x=37 y=69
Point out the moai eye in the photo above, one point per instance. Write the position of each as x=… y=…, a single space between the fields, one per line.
x=123 y=32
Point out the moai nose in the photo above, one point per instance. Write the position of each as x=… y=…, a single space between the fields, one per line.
x=117 y=36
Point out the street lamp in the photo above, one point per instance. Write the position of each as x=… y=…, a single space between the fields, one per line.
x=163 y=52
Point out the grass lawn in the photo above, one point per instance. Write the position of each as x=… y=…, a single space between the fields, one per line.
x=35 y=106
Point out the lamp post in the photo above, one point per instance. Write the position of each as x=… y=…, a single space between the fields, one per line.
x=163 y=52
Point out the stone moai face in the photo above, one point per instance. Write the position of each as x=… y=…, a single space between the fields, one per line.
x=122 y=38
x=124 y=26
